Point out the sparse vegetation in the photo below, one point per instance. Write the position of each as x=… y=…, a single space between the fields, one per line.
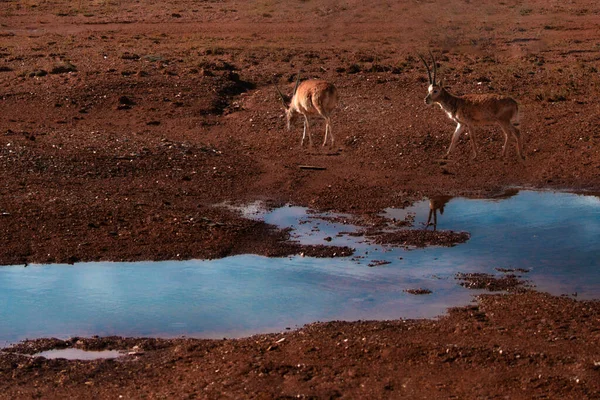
x=525 y=11
x=552 y=96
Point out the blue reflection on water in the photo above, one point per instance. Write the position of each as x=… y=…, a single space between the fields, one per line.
x=555 y=235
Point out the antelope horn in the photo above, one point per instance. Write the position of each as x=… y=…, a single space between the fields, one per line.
x=428 y=70
x=434 y=67
x=282 y=96
x=297 y=83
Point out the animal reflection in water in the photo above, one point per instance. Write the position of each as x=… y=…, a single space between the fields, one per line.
x=436 y=203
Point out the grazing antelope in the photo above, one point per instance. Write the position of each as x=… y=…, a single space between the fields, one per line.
x=436 y=203
x=473 y=110
x=311 y=97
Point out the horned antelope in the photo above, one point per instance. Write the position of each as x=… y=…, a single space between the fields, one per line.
x=311 y=97
x=472 y=110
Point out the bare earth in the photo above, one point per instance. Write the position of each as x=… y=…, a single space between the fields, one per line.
x=124 y=126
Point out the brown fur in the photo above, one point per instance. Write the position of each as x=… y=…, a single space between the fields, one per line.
x=486 y=109
x=473 y=110
x=313 y=97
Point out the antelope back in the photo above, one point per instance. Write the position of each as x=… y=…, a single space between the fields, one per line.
x=315 y=96
x=490 y=107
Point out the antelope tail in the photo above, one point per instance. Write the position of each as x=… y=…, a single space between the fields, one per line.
x=516 y=119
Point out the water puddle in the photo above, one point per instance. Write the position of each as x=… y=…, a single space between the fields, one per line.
x=78 y=354
x=552 y=235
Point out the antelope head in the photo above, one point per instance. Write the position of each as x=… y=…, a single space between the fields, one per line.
x=291 y=113
x=435 y=88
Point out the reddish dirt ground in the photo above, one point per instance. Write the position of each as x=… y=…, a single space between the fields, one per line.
x=123 y=126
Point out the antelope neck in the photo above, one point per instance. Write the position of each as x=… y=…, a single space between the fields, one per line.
x=448 y=102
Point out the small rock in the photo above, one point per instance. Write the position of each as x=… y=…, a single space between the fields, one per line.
x=418 y=291
x=126 y=101
x=63 y=68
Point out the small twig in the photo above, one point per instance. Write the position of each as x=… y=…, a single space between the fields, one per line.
x=313 y=167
